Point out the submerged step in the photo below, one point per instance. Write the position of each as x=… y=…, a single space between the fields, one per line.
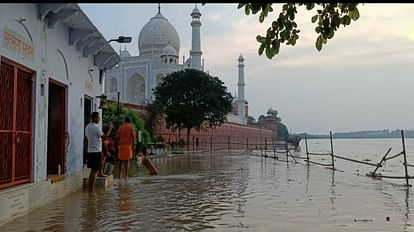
x=101 y=182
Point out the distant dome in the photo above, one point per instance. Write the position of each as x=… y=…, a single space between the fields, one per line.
x=271 y=111
x=156 y=34
x=124 y=54
x=169 y=51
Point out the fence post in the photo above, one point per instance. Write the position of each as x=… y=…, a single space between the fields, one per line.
x=211 y=143
x=261 y=148
x=332 y=151
x=247 y=143
x=287 y=150
x=405 y=158
x=274 y=149
x=307 y=151
x=193 y=143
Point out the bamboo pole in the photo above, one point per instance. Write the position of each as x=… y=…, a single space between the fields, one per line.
x=405 y=158
x=357 y=161
x=307 y=152
x=382 y=160
x=287 y=151
x=332 y=151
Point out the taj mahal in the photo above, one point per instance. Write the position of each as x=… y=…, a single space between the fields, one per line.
x=134 y=78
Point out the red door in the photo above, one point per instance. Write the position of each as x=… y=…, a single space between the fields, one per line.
x=56 y=128
x=15 y=123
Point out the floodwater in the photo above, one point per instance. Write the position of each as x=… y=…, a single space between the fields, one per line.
x=242 y=191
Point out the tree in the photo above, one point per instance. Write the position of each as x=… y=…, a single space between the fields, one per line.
x=329 y=17
x=191 y=98
x=111 y=115
x=154 y=116
x=251 y=120
x=282 y=132
x=261 y=118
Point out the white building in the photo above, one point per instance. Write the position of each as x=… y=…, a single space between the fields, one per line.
x=135 y=77
x=52 y=64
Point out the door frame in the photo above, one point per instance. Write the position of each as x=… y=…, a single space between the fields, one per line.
x=14 y=131
x=64 y=124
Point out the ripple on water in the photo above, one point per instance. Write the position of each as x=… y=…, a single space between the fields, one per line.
x=223 y=192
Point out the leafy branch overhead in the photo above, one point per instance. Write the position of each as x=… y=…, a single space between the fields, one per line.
x=328 y=16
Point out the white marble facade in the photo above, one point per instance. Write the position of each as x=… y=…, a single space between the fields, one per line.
x=135 y=77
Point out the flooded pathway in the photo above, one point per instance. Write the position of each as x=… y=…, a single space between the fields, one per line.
x=230 y=192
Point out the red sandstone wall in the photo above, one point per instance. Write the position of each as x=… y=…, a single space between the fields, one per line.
x=229 y=135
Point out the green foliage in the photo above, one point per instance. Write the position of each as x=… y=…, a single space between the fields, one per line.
x=328 y=16
x=191 y=98
x=154 y=110
x=261 y=118
x=111 y=115
x=282 y=132
x=251 y=120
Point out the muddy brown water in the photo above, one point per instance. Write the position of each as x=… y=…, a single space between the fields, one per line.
x=234 y=191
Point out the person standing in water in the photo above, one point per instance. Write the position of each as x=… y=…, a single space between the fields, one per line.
x=126 y=139
x=94 y=136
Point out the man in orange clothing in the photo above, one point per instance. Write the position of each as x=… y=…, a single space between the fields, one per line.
x=126 y=139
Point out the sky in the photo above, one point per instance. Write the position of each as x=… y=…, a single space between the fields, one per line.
x=363 y=79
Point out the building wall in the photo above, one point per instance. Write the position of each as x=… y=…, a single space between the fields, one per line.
x=8 y=19
x=47 y=52
x=237 y=134
x=227 y=136
x=145 y=68
x=51 y=49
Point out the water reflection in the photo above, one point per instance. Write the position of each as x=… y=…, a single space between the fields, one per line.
x=229 y=192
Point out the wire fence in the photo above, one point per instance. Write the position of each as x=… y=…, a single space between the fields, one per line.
x=374 y=173
x=285 y=152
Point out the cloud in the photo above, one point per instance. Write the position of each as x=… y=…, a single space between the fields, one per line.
x=362 y=79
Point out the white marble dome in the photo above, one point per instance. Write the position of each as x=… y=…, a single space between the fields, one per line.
x=124 y=54
x=157 y=34
x=169 y=51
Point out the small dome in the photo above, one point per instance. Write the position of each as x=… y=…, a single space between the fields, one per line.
x=125 y=54
x=272 y=111
x=196 y=11
x=241 y=59
x=156 y=34
x=169 y=51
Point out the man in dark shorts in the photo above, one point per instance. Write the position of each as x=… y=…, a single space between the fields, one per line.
x=94 y=135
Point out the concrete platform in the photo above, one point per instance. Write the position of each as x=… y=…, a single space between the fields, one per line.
x=101 y=182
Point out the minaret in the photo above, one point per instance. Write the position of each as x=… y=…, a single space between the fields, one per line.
x=195 y=52
x=241 y=106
